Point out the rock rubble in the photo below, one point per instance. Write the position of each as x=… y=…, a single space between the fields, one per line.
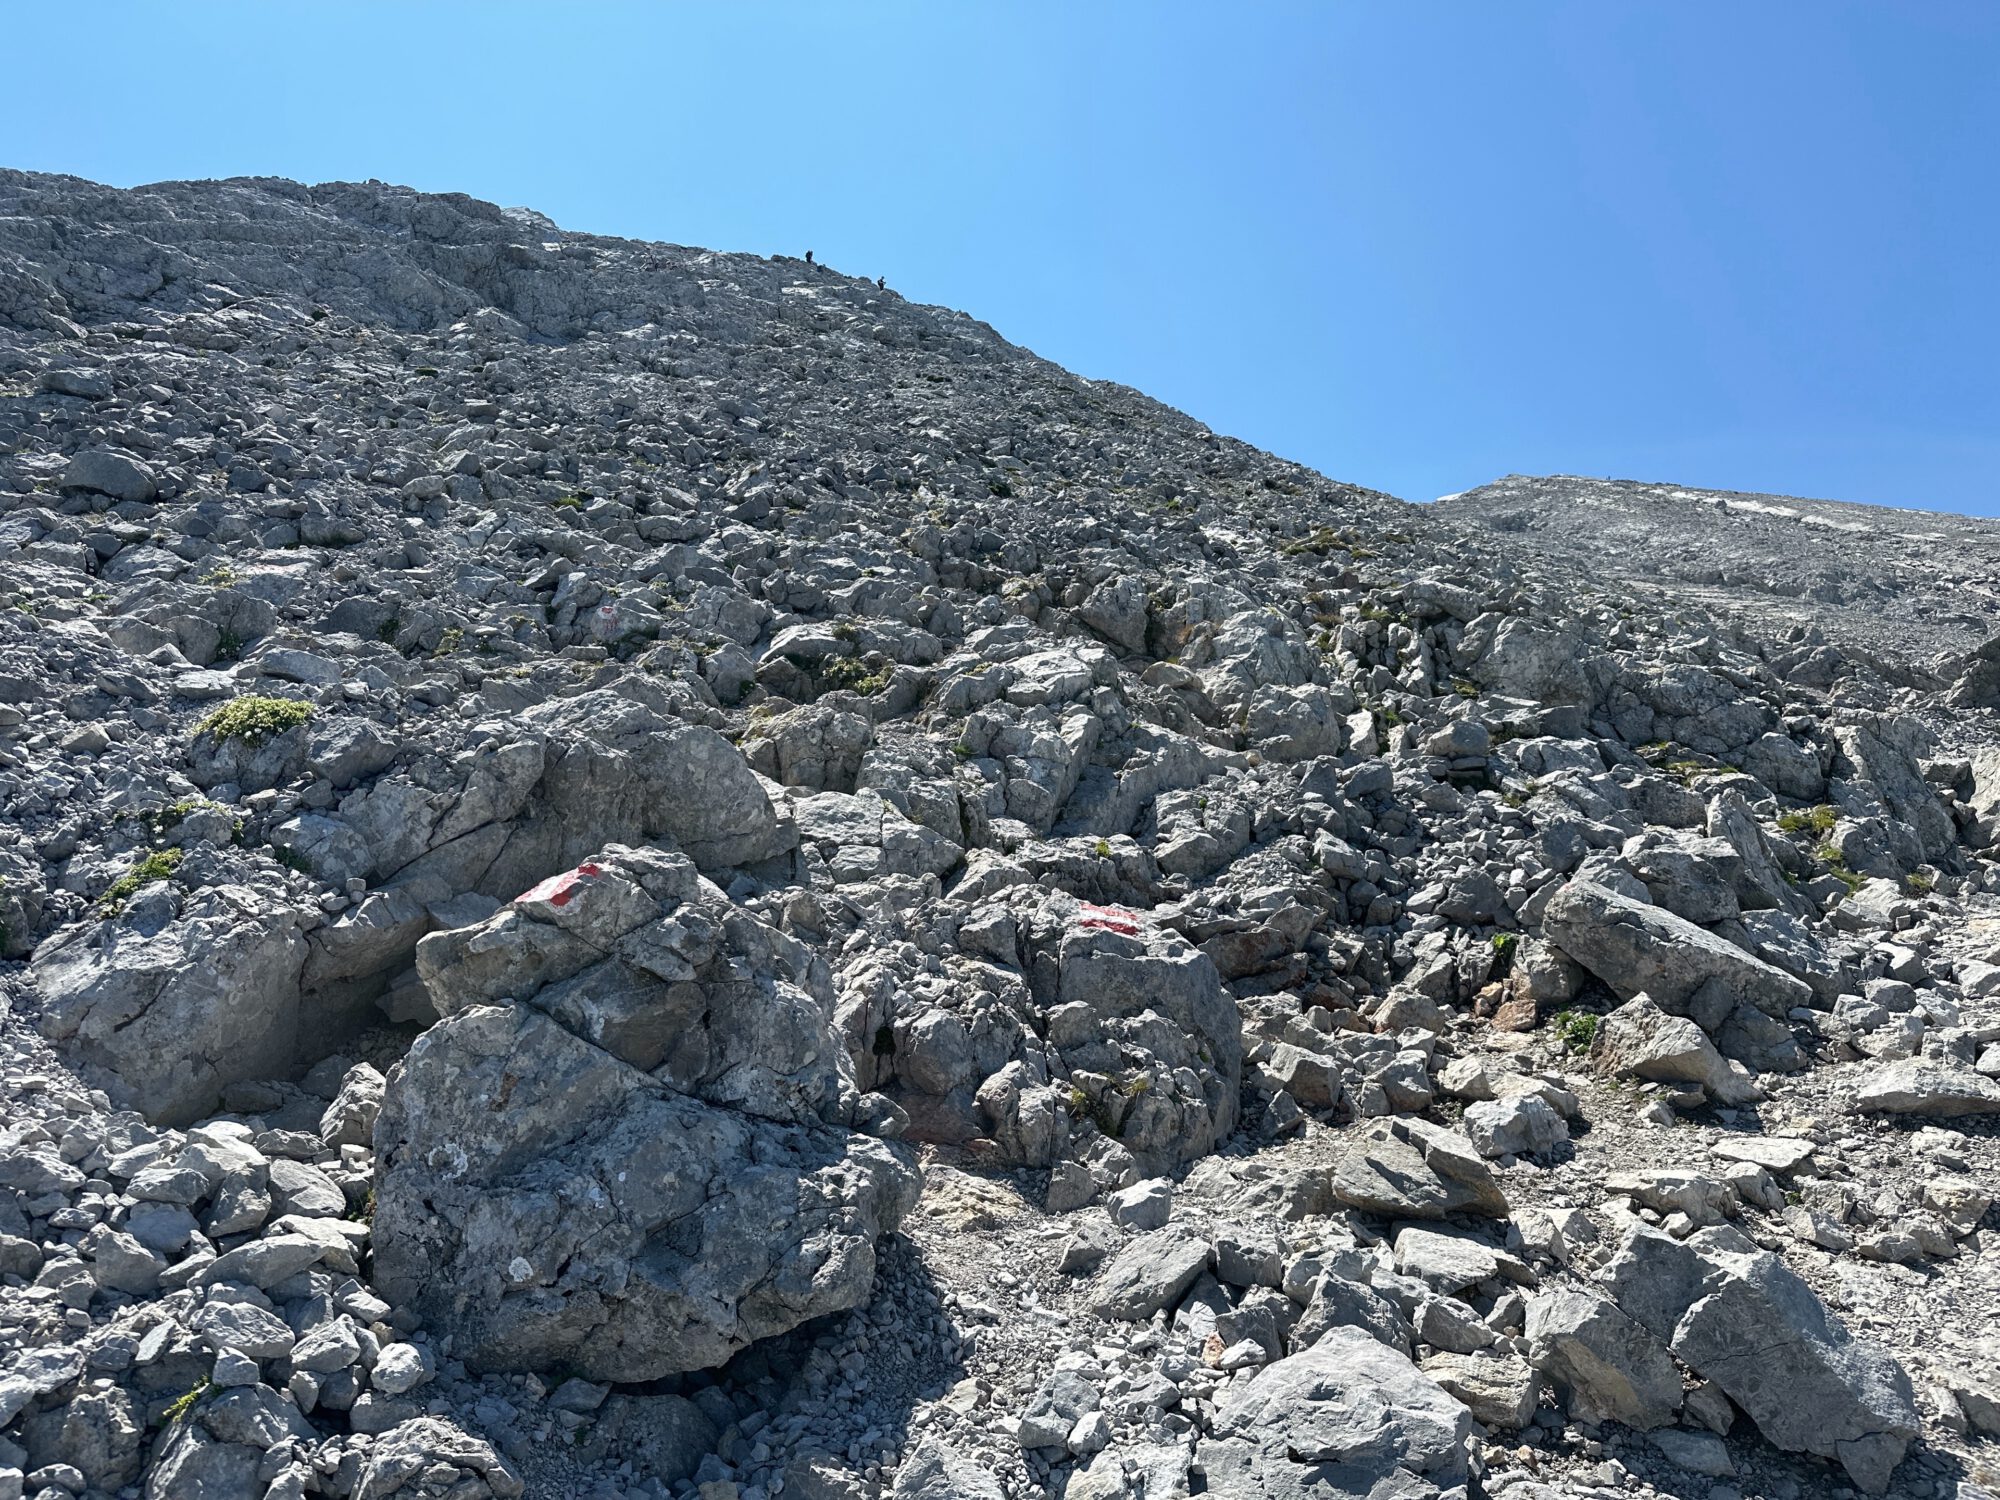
x=635 y=872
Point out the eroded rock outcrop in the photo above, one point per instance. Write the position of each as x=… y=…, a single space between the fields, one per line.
x=645 y=1162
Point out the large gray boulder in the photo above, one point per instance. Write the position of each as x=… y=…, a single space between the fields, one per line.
x=1149 y=1043
x=1640 y=1040
x=1637 y=948
x=1150 y=995
x=215 y=1451
x=1886 y=752
x=936 y=1472
x=1737 y=1316
x=642 y=1164
x=108 y=471
x=428 y=1458
x=1347 y=1417
x=539 y=794
x=1613 y=1369
x=1931 y=1087
x=162 y=1009
x=1151 y=1272
x=1405 y=1168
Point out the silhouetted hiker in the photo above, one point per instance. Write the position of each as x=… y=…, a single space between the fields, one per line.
x=809 y=257
x=881 y=282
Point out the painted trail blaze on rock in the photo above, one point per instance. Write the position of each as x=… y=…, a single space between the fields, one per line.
x=560 y=890
x=1108 y=919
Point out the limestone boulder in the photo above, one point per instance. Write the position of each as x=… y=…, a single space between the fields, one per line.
x=1738 y=1316
x=166 y=1004
x=1636 y=947
x=625 y=1151
x=1349 y=1416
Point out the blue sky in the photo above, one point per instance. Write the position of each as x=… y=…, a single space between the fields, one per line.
x=1416 y=245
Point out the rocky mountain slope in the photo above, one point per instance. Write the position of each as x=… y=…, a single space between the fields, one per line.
x=1906 y=592
x=627 y=871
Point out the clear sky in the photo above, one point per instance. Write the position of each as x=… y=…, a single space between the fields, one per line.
x=1416 y=245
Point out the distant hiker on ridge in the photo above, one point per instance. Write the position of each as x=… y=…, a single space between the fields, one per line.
x=809 y=257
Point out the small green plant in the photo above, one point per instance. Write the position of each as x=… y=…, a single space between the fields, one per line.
x=1836 y=866
x=253 y=719
x=291 y=859
x=1919 y=884
x=570 y=502
x=853 y=675
x=221 y=576
x=228 y=646
x=999 y=488
x=158 y=865
x=1104 y=848
x=1816 y=820
x=1464 y=687
x=164 y=820
x=1321 y=541
x=1576 y=1029
x=451 y=640
x=187 y=1403
x=388 y=630
x=1504 y=944
x=962 y=750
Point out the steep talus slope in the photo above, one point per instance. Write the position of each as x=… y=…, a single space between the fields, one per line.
x=628 y=871
x=1897 y=588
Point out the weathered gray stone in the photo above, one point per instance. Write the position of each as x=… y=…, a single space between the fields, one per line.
x=1348 y=1416
x=1636 y=948
x=1614 y=1369
x=1150 y=1272
x=1640 y=1040
x=934 y=1472
x=110 y=472
x=623 y=1223
x=1524 y=1125
x=428 y=1458
x=162 y=1015
x=1500 y=1390
x=1738 y=1316
x=1411 y=1169
x=1928 y=1086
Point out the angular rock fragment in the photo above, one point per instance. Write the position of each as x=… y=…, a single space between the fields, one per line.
x=1613 y=1368
x=1640 y=1040
x=1686 y=970
x=1737 y=1316
x=1410 y=1169
x=1349 y=1416
x=1930 y=1087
